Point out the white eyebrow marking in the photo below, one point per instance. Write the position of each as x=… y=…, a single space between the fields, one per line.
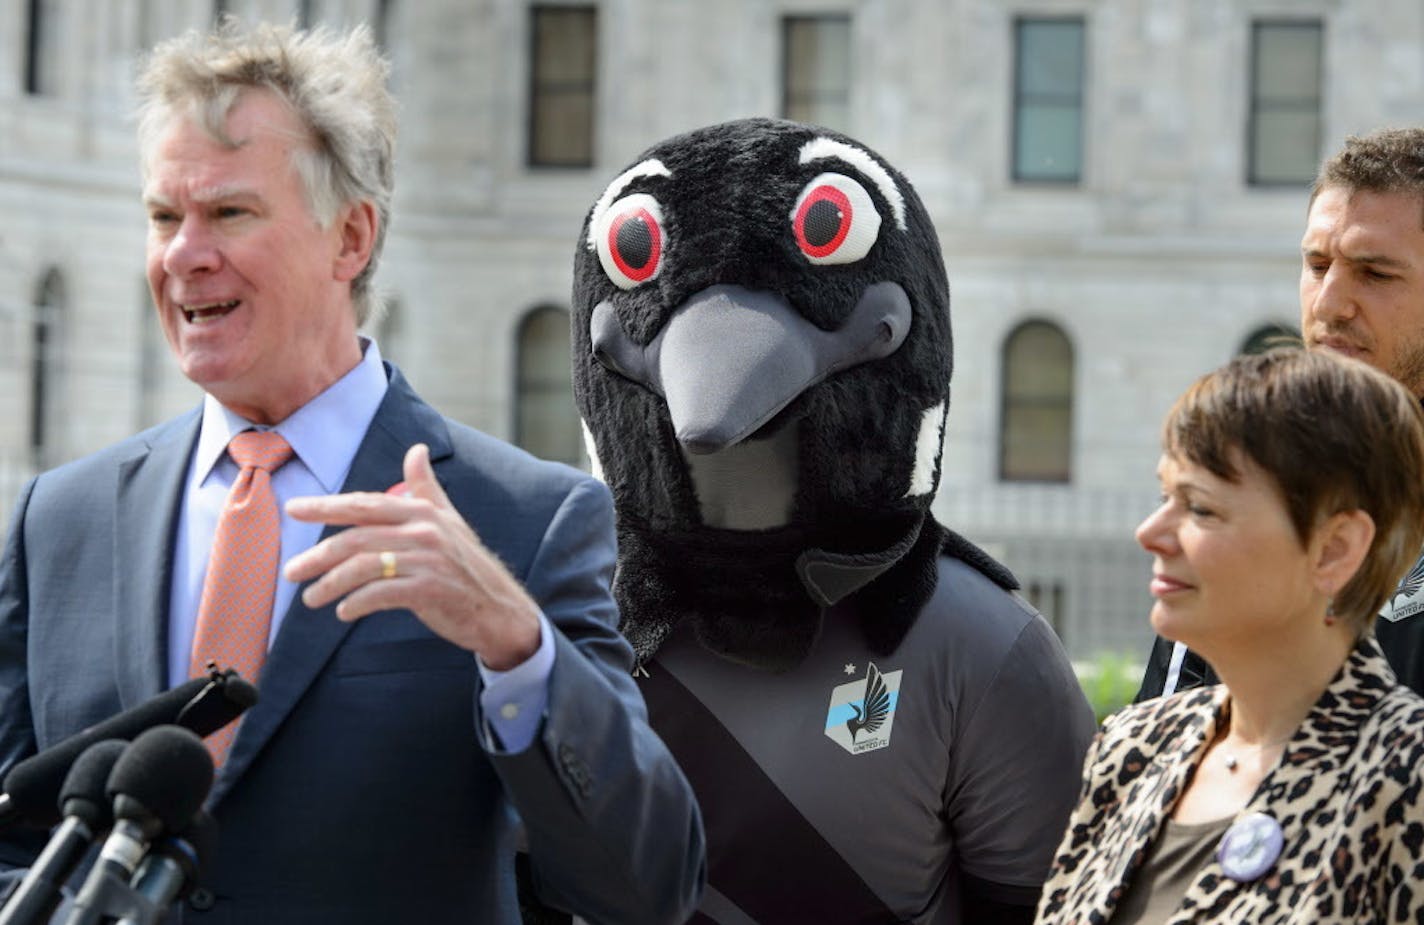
x=652 y=167
x=818 y=148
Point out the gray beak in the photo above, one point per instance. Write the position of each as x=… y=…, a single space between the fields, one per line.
x=729 y=359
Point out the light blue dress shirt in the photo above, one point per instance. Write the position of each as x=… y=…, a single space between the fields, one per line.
x=324 y=434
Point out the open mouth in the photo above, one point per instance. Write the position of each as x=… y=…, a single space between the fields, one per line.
x=208 y=311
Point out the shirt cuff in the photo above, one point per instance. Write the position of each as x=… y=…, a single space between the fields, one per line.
x=513 y=701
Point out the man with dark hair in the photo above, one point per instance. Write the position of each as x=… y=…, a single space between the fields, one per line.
x=1361 y=295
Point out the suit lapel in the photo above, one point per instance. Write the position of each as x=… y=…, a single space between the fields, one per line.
x=1150 y=799
x=308 y=638
x=149 y=495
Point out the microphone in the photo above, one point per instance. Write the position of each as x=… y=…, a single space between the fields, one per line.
x=172 y=868
x=203 y=705
x=87 y=813
x=157 y=785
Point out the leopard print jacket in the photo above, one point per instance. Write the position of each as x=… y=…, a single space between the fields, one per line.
x=1346 y=792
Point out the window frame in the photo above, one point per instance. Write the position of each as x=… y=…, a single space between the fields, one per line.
x=1020 y=99
x=1254 y=109
x=789 y=23
x=534 y=86
x=1067 y=401
x=518 y=425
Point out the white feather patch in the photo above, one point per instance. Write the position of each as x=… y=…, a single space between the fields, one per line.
x=818 y=148
x=652 y=167
x=927 y=449
x=595 y=468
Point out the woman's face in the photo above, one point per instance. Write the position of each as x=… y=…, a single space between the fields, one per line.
x=1228 y=569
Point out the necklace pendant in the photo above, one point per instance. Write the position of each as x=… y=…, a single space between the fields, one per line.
x=1231 y=763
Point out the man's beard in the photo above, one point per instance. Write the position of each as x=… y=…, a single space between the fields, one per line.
x=1408 y=365
x=1405 y=365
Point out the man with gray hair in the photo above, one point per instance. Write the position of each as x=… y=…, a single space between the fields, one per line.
x=437 y=660
x=1361 y=295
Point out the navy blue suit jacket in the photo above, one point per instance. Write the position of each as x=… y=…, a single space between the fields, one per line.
x=360 y=788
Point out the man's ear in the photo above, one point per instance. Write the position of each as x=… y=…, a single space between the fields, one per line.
x=1340 y=544
x=357 y=223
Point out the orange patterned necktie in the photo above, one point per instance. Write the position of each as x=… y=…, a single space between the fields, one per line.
x=235 y=614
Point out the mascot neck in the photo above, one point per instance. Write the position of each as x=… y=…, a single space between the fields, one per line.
x=758 y=598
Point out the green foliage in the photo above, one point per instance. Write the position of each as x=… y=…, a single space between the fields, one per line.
x=1110 y=681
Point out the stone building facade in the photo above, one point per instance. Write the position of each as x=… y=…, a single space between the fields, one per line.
x=1118 y=186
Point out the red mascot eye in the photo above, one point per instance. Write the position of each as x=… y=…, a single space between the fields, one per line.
x=835 y=220
x=630 y=240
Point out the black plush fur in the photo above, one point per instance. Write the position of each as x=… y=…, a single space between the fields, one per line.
x=727 y=215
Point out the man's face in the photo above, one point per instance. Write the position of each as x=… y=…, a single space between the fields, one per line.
x=1362 y=280
x=253 y=294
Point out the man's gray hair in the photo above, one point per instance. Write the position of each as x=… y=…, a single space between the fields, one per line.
x=336 y=85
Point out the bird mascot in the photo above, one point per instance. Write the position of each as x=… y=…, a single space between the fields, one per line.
x=877 y=729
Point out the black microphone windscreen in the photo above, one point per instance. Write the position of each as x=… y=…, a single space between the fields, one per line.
x=203 y=705
x=84 y=793
x=33 y=784
x=166 y=770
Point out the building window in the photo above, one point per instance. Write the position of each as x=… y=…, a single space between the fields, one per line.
x=47 y=344
x=563 y=62
x=305 y=14
x=382 y=24
x=1036 y=432
x=42 y=48
x=816 y=70
x=1270 y=336
x=546 y=422
x=1047 y=597
x=1284 y=130
x=219 y=10
x=1048 y=100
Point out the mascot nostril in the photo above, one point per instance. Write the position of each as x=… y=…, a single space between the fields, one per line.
x=762 y=362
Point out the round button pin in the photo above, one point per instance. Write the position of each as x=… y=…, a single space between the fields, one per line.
x=1250 y=847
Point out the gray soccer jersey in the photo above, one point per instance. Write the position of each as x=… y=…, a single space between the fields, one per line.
x=860 y=788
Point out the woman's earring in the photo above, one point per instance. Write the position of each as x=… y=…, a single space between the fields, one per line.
x=1330 y=613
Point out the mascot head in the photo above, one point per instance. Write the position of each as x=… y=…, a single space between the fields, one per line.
x=762 y=358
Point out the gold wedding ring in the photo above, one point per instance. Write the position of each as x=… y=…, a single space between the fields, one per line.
x=388 y=564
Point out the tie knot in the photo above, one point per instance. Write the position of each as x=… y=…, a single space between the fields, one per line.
x=260 y=449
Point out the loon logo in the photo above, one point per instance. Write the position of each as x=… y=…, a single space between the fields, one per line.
x=862 y=713
x=1408 y=599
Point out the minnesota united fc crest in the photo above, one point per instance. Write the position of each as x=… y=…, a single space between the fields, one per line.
x=1408 y=599
x=862 y=712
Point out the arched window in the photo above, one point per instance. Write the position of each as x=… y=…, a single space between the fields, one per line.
x=1036 y=430
x=1268 y=336
x=47 y=355
x=545 y=420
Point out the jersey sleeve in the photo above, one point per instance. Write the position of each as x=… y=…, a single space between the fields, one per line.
x=1016 y=769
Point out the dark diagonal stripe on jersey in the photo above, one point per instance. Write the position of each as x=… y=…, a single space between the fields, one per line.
x=788 y=872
